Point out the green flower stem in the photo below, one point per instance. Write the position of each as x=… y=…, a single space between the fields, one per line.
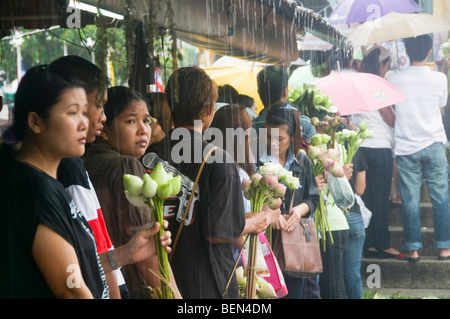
x=257 y=201
x=321 y=221
x=250 y=292
x=163 y=260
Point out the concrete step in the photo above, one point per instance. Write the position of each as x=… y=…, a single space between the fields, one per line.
x=428 y=273
x=429 y=276
x=426 y=215
x=397 y=240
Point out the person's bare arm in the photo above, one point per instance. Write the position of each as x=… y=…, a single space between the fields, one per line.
x=388 y=116
x=58 y=263
x=360 y=183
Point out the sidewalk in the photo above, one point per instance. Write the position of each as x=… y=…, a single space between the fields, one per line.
x=398 y=293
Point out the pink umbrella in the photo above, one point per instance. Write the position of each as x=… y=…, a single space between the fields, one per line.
x=353 y=92
x=358 y=11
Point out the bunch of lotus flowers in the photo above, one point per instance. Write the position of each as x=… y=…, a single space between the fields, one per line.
x=267 y=186
x=151 y=190
x=323 y=161
x=330 y=125
x=351 y=140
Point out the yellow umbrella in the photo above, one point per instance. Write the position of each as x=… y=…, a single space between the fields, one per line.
x=239 y=74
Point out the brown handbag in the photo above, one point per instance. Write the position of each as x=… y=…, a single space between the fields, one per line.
x=298 y=251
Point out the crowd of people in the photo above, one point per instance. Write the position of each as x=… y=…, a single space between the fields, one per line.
x=68 y=225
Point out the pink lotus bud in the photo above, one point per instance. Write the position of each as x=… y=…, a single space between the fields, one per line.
x=337 y=171
x=246 y=185
x=328 y=164
x=274 y=202
x=269 y=180
x=280 y=190
x=255 y=179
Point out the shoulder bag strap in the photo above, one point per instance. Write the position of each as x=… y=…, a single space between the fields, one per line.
x=177 y=238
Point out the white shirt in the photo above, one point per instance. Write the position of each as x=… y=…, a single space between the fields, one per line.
x=418 y=121
x=383 y=136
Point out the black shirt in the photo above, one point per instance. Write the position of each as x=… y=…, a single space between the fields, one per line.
x=28 y=198
x=359 y=165
x=202 y=269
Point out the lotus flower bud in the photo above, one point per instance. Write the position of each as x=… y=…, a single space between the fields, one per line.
x=366 y=134
x=353 y=135
x=136 y=200
x=246 y=185
x=164 y=191
x=149 y=187
x=133 y=184
x=159 y=175
x=240 y=276
x=328 y=164
x=334 y=154
x=316 y=139
x=325 y=138
x=274 y=202
x=256 y=179
x=269 y=180
x=321 y=156
x=312 y=152
x=280 y=190
x=337 y=171
x=318 y=98
x=363 y=126
x=266 y=290
x=175 y=182
x=315 y=121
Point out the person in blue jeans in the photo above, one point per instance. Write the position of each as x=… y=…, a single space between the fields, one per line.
x=357 y=233
x=429 y=164
x=420 y=147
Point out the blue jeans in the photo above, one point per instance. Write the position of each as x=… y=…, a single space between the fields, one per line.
x=352 y=256
x=429 y=164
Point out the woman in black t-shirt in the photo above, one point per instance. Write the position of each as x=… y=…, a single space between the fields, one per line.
x=48 y=249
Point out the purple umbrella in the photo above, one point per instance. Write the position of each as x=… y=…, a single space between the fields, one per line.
x=358 y=11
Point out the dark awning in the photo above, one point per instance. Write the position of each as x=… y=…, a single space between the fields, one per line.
x=263 y=30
